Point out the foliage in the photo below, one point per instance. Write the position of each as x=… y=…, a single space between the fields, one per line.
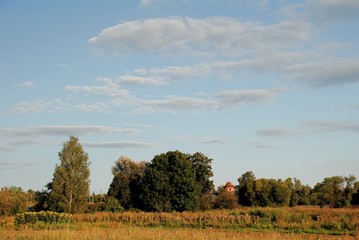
x=169 y=184
x=70 y=184
x=291 y=220
x=117 y=230
x=202 y=169
x=125 y=185
x=355 y=197
x=262 y=192
x=225 y=200
x=335 y=191
x=12 y=200
x=246 y=191
x=36 y=219
x=111 y=204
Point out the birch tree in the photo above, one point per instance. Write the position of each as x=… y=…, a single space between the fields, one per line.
x=71 y=183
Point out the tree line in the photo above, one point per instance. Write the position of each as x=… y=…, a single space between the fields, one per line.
x=171 y=181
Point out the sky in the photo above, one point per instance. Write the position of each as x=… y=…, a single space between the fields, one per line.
x=265 y=86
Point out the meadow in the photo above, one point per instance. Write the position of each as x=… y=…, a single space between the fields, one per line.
x=241 y=223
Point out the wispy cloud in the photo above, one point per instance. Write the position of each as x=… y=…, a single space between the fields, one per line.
x=106 y=87
x=331 y=126
x=201 y=139
x=138 y=80
x=61 y=130
x=27 y=84
x=310 y=127
x=260 y=145
x=241 y=97
x=277 y=132
x=323 y=11
x=120 y=144
x=38 y=106
x=12 y=165
x=113 y=97
x=178 y=35
x=6 y=149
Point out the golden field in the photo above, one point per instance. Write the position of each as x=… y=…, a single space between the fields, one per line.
x=243 y=223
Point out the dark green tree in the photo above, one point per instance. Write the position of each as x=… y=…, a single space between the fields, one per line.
x=330 y=192
x=246 y=189
x=224 y=199
x=125 y=185
x=355 y=196
x=169 y=183
x=202 y=167
x=280 y=193
x=300 y=194
x=71 y=183
x=349 y=189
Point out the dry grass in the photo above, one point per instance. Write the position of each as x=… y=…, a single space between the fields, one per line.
x=243 y=223
x=119 y=231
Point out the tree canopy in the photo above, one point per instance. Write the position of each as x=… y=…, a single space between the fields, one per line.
x=70 y=187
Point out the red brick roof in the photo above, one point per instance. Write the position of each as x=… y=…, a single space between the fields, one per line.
x=228 y=184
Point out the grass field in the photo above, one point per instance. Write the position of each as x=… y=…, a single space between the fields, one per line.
x=244 y=223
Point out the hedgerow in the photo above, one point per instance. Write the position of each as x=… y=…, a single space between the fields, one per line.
x=46 y=217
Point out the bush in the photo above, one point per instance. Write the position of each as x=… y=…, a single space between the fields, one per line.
x=112 y=205
x=43 y=217
x=12 y=201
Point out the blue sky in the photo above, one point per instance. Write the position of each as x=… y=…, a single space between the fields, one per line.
x=266 y=86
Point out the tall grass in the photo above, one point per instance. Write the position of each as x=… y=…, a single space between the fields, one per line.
x=243 y=223
x=288 y=220
x=88 y=231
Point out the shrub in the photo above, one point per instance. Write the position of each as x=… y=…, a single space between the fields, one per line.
x=44 y=217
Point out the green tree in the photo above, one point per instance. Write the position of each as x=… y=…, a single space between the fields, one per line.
x=12 y=200
x=300 y=194
x=71 y=183
x=355 y=196
x=224 y=199
x=111 y=204
x=349 y=189
x=169 y=183
x=125 y=185
x=203 y=173
x=246 y=189
x=280 y=193
x=331 y=192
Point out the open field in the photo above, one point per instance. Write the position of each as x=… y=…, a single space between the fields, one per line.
x=243 y=223
x=118 y=231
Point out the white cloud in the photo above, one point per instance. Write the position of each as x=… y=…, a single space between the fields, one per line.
x=313 y=68
x=177 y=103
x=120 y=144
x=183 y=35
x=221 y=100
x=54 y=105
x=324 y=74
x=241 y=97
x=331 y=126
x=6 y=149
x=66 y=130
x=7 y=165
x=277 y=132
x=27 y=84
x=201 y=139
x=106 y=87
x=260 y=145
x=146 y=3
x=311 y=127
x=322 y=11
x=138 y=80
x=336 y=9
